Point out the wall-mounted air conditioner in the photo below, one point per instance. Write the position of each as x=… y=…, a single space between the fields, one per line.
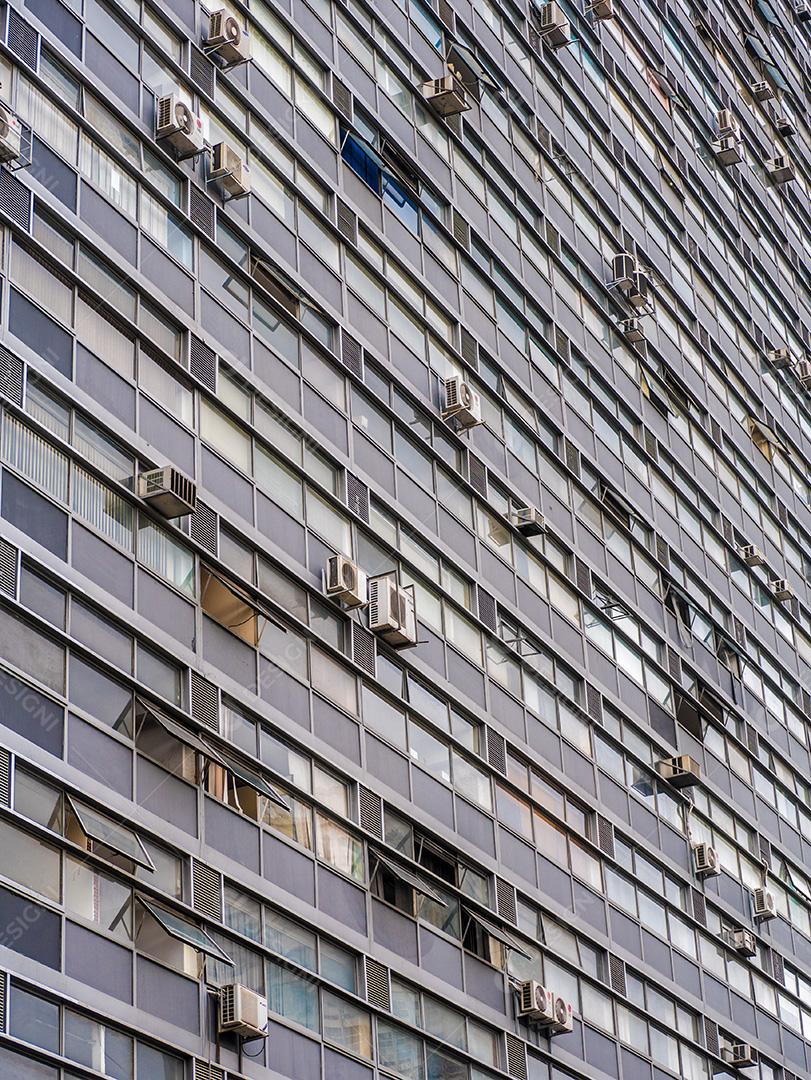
x=10 y=135
x=726 y=124
x=344 y=580
x=729 y=150
x=230 y=170
x=764 y=904
x=178 y=126
x=682 y=771
x=780 y=169
x=462 y=402
x=545 y=1008
x=742 y=940
x=762 y=91
x=779 y=359
x=168 y=491
x=447 y=95
x=243 y=1012
x=802 y=10
x=227 y=38
x=786 y=126
x=529 y=521
x=392 y=613
x=632 y=329
x=782 y=590
x=739 y=1055
x=706 y=860
x=802 y=369
x=752 y=555
x=623 y=268
x=601 y=9
x=554 y=27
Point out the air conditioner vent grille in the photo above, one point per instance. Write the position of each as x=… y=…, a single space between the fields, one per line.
x=496 y=751
x=357 y=497
x=506 y=903
x=205 y=702
x=201 y=211
x=203 y=362
x=201 y=70
x=8 y=569
x=371 y=812
x=11 y=376
x=364 y=648
x=516 y=1057
x=5 y=777
x=207 y=890
x=378 y=987
x=15 y=200
x=204 y=527
x=23 y=40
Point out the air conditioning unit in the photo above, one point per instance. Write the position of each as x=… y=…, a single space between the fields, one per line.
x=447 y=95
x=168 y=491
x=729 y=150
x=177 y=125
x=601 y=9
x=726 y=124
x=779 y=359
x=231 y=170
x=781 y=590
x=391 y=612
x=10 y=135
x=545 y=1008
x=802 y=369
x=637 y=295
x=623 y=268
x=764 y=904
x=243 y=1012
x=462 y=402
x=802 y=10
x=762 y=91
x=752 y=555
x=786 y=126
x=681 y=772
x=554 y=26
x=739 y=1055
x=780 y=169
x=742 y=940
x=228 y=38
x=345 y=581
x=529 y=521
x=632 y=329
x=706 y=860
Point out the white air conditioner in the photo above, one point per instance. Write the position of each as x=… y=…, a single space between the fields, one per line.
x=230 y=169
x=228 y=38
x=601 y=9
x=802 y=10
x=243 y=1012
x=726 y=124
x=764 y=904
x=739 y=1055
x=781 y=590
x=168 y=491
x=177 y=125
x=742 y=940
x=779 y=359
x=762 y=91
x=545 y=1008
x=554 y=26
x=344 y=580
x=529 y=521
x=462 y=402
x=706 y=860
x=729 y=150
x=752 y=555
x=637 y=295
x=447 y=95
x=391 y=612
x=623 y=268
x=780 y=169
x=10 y=135
x=682 y=771
x=632 y=329
x=802 y=369
x=786 y=126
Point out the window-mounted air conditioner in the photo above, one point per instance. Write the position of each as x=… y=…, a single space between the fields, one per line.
x=529 y=521
x=178 y=126
x=638 y=294
x=729 y=150
x=168 y=491
x=632 y=329
x=802 y=369
x=462 y=402
x=227 y=38
x=786 y=126
x=230 y=170
x=10 y=135
x=554 y=26
x=739 y=1055
x=392 y=614
x=781 y=590
x=623 y=268
x=762 y=91
x=742 y=940
x=780 y=169
x=752 y=555
x=447 y=95
x=764 y=904
x=706 y=860
x=682 y=771
x=779 y=359
x=344 y=580
x=243 y=1012
x=601 y=9
x=545 y=1008
x=726 y=124
x=802 y=10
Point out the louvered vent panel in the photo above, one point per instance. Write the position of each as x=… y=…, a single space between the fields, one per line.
x=11 y=376
x=347 y=221
x=8 y=569
x=662 y=551
x=5 y=777
x=206 y=1070
x=572 y=456
x=205 y=702
x=699 y=907
x=477 y=474
x=204 y=527
x=203 y=362
x=516 y=1057
x=378 y=986
x=201 y=211
x=487 y=608
x=496 y=751
x=506 y=904
x=342 y=98
x=201 y=70
x=357 y=497
x=674 y=664
x=582 y=577
x=461 y=230
x=711 y=1036
x=594 y=703
x=364 y=648
x=470 y=348
x=206 y=890
x=23 y=40
x=15 y=200
x=605 y=836
x=778 y=968
x=352 y=353
x=616 y=972
x=563 y=345
x=371 y=812
x=765 y=851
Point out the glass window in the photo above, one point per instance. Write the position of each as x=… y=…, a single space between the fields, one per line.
x=347 y=1025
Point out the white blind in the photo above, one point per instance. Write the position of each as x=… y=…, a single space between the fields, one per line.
x=35 y=458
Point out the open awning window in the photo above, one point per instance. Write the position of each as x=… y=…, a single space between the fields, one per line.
x=497 y=933
x=111 y=834
x=182 y=734
x=417 y=883
x=758 y=49
x=185 y=932
x=233 y=607
x=253 y=780
x=467 y=67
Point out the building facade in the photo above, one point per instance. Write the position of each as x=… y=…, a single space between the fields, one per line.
x=405 y=590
